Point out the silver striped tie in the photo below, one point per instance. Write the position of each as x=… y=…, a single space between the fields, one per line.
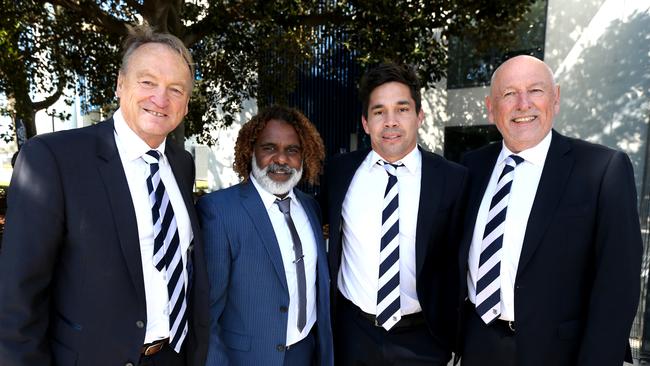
x=167 y=251
x=488 y=297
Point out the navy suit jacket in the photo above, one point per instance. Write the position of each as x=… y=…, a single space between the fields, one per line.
x=437 y=233
x=578 y=277
x=71 y=283
x=249 y=295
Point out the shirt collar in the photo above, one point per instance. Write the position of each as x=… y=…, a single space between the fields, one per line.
x=132 y=145
x=535 y=155
x=412 y=161
x=267 y=197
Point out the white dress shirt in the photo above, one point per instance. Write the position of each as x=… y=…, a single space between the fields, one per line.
x=522 y=194
x=131 y=148
x=358 y=277
x=308 y=241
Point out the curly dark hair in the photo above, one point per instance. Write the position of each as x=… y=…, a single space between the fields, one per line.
x=385 y=73
x=313 y=150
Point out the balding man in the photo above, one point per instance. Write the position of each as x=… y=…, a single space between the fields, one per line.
x=551 y=255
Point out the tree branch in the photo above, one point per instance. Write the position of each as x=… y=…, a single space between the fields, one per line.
x=37 y=106
x=94 y=14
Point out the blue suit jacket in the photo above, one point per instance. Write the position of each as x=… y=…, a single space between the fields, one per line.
x=249 y=295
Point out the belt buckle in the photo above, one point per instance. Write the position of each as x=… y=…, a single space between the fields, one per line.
x=511 y=325
x=153 y=348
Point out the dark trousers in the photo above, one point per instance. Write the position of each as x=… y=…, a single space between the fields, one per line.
x=165 y=357
x=359 y=342
x=303 y=352
x=487 y=345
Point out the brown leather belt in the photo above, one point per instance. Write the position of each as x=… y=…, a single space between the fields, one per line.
x=154 y=347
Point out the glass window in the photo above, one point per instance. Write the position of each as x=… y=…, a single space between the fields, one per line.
x=470 y=67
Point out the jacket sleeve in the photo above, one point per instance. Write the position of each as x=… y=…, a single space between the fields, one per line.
x=616 y=282
x=32 y=239
x=218 y=259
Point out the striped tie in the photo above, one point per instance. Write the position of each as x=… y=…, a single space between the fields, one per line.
x=488 y=297
x=167 y=251
x=388 y=302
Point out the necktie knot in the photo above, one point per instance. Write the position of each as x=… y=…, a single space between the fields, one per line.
x=284 y=205
x=391 y=168
x=151 y=157
x=514 y=160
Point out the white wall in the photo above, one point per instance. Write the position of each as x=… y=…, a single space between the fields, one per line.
x=221 y=156
x=600 y=51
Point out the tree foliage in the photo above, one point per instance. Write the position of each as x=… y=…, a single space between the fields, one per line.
x=241 y=47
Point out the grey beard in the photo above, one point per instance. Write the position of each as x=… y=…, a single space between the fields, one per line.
x=276 y=188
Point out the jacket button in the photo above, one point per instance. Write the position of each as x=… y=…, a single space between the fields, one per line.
x=283 y=309
x=129 y=364
x=139 y=324
x=280 y=347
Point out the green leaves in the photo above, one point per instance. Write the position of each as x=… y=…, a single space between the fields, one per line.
x=243 y=48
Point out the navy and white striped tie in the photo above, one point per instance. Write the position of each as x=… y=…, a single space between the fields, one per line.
x=388 y=295
x=488 y=296
x=167 y=251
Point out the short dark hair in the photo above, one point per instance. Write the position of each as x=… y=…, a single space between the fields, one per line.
x=143 y=34
x=313 y=150
x=386 y=73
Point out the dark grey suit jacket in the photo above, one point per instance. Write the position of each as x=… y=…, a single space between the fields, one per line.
x=71 y=283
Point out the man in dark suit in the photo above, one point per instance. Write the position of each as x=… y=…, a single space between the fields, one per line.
x=102 y=262
x=265 y=250
x=551 y=255
x=393 y=215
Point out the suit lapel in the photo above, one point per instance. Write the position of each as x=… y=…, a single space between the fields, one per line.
x=117 y=188
x=430 y=195
x=185 y=187
x=480 y=173
x=338 y=188
x=557 y=168
x=260 y=218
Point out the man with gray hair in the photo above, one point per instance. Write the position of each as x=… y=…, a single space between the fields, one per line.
x=102 y=262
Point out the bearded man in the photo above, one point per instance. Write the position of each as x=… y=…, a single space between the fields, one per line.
x=265 y=250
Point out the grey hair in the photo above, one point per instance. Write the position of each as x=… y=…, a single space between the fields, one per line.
x=143 y=34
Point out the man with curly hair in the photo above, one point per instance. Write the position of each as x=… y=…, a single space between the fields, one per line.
x=265 y=250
